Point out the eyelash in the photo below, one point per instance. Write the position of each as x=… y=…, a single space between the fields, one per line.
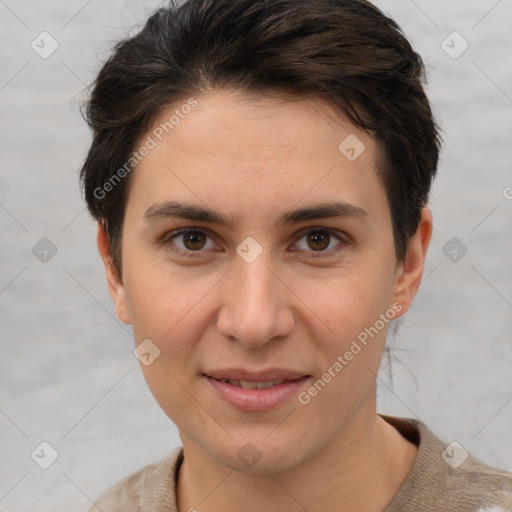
x=167 y=240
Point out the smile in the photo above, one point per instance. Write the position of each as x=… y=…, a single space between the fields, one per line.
x=252 y=396
x=252 y=385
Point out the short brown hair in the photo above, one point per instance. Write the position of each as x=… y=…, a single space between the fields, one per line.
x=346 y=51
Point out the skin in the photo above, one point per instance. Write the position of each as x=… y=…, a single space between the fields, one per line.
x=253 y=159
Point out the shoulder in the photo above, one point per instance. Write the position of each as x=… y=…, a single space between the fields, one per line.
x=445 y=476
x=150 y=488
x=474 y=483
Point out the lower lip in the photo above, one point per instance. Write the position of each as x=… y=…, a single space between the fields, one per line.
x=257 y=399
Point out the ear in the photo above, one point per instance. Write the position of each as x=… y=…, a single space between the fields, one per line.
x=114 y=281
x=411 y=269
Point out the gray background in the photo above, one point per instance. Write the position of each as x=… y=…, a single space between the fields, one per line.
x=68 y=375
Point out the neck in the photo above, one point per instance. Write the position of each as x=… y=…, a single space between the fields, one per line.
x=368 y=455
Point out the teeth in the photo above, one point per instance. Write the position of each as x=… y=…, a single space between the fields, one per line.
x=245 y=384
x=269 y=384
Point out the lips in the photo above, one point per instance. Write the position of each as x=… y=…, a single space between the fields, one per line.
x=270 y=374
x=246 y=384
x=256 y=391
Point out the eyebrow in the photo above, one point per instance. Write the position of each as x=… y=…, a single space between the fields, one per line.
x=173 y=209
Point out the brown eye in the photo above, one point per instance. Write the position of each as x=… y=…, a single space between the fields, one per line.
x=194 y=240
x=189 y=240
x=319 y=240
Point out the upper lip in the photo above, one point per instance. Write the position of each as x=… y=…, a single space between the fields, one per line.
x=256 y=376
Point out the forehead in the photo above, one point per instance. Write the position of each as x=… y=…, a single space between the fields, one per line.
x=242 y=150
x=254 y=125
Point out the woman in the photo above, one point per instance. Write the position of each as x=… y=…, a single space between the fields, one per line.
x=260 y=172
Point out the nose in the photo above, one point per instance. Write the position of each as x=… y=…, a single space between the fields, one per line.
x=257 y=307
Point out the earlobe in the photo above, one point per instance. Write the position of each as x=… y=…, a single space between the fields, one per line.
x=411 y=270
x=114 y=280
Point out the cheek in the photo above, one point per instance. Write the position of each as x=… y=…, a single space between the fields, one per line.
x=350 y=304
x=173 y=318
x=349 y=356
x=172 y=392
x=358 y=312
x=172 y=311
x=159 y=297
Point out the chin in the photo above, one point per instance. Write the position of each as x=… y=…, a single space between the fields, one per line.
x=261 y=456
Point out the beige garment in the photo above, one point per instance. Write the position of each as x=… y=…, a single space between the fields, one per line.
x=433 y=484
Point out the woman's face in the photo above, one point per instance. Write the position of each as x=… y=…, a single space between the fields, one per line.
x=287 y=270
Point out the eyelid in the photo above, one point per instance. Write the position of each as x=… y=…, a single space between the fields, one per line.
x=338 y=234
x=182 y=231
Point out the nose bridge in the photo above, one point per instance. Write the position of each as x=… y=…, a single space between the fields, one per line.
x=256 y=283
x=255 y=308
